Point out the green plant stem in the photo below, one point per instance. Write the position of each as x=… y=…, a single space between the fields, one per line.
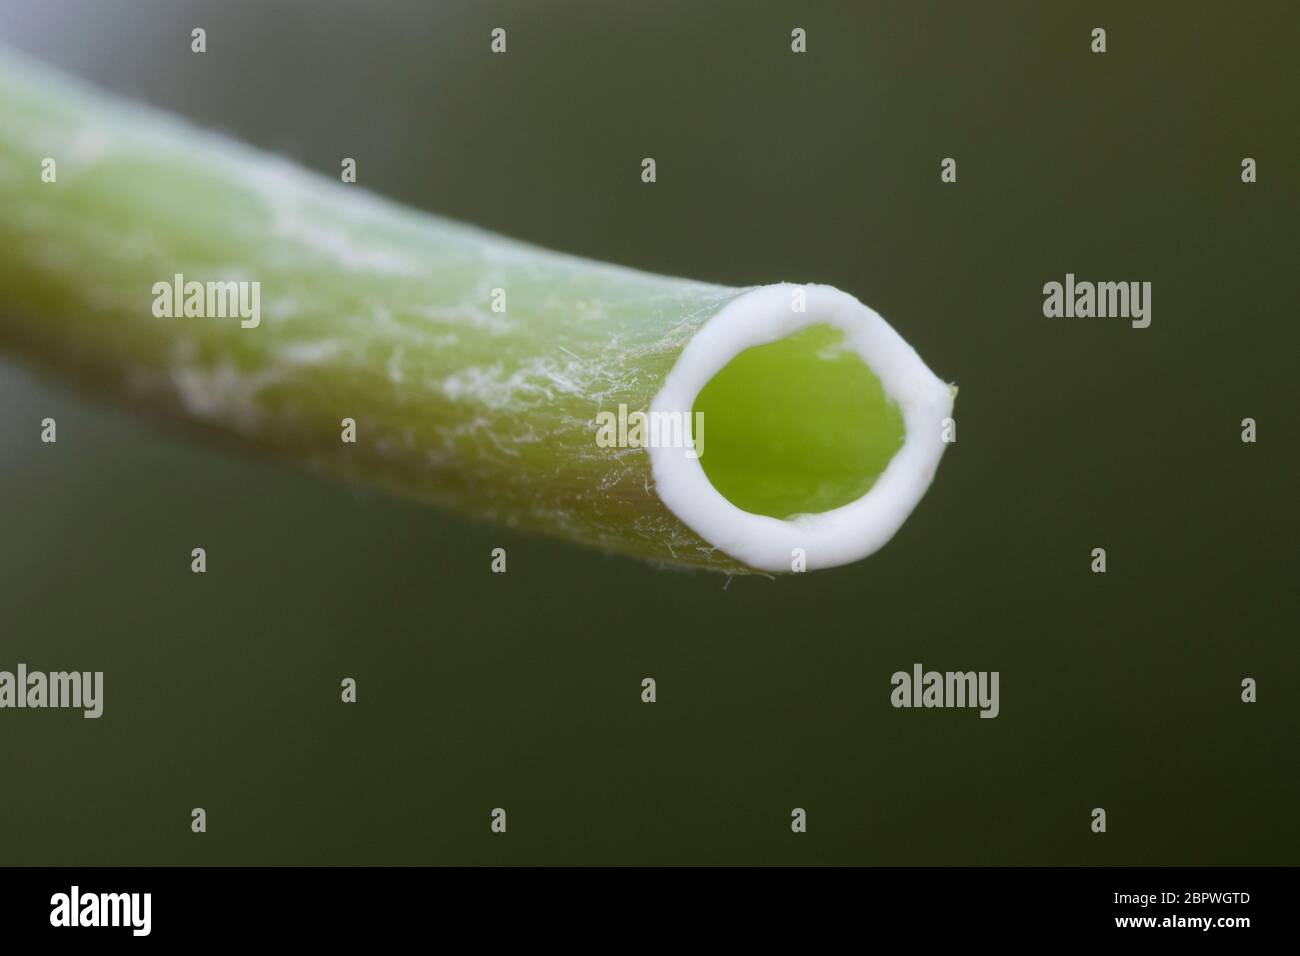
x=368 y=311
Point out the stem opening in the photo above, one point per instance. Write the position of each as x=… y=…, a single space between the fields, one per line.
x=798 y=426
x=855 y=483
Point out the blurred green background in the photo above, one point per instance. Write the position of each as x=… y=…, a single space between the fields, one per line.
x=522 y=691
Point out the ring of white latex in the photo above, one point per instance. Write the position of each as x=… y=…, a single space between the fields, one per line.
x=841 y=535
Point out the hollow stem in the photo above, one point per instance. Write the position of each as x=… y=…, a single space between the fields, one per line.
x=477 y=370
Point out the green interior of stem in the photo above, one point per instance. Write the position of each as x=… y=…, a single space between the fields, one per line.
x=797 y=426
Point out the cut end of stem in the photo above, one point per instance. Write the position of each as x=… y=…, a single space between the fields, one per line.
x=824 y=429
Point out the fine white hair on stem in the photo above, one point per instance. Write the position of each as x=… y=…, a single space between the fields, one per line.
x=834 y=537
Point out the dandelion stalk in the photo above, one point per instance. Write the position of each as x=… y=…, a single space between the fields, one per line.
x=475 y=368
